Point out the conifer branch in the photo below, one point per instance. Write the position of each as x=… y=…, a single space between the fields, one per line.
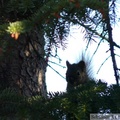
x=111 y=43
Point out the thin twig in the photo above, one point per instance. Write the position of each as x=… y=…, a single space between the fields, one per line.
x=56 y=64
x=103 y=63
x=95 y=50
x=55 y=71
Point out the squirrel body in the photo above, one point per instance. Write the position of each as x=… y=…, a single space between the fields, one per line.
x=78 y=73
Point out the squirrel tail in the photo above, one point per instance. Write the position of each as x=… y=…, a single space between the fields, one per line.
x=85 y=57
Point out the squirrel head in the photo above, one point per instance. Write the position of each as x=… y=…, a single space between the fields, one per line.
x=76 y=73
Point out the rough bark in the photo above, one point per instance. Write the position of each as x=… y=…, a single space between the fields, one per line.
x=24 y=70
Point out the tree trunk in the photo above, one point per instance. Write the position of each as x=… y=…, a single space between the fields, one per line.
x=24 y=70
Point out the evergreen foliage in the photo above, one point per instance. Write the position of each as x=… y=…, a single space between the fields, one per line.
x=92 y=97
x=53 y=18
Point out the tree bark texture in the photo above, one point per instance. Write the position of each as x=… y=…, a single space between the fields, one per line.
x=24 y=70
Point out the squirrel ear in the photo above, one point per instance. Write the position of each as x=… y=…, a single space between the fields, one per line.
x=82 y=65
x=68 y=64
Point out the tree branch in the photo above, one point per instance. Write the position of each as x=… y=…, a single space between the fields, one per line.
x=111 y=43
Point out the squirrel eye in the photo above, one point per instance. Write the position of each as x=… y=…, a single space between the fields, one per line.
x=78 y=72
